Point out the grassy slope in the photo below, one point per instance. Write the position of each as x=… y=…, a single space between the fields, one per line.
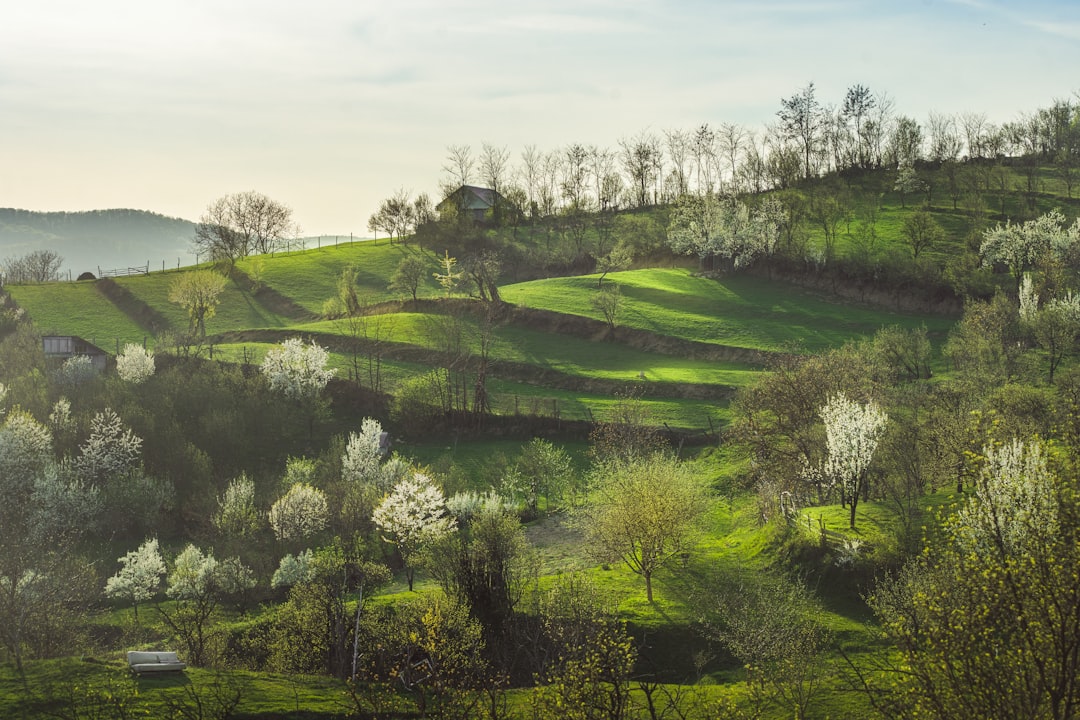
x=742 y=311
x=77 y=309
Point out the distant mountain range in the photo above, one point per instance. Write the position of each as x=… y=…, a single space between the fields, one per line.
x=98 y=240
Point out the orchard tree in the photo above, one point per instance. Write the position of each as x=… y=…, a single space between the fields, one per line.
x=139 y=577
x=135 y=365
x=408 y=275
x=197 y=291
x=726 y=228
x=922 y=232
x=412 y=516
x=236 y=514
x=1021 y=246
x=193 y=584
x=111 y=450
x=644 y=512
x=298 y=372
x=852 y=433
x=299 y=514
x=987 y=621
x=242 y=224
x=542 y=470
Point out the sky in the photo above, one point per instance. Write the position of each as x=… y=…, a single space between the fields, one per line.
x=330 y=106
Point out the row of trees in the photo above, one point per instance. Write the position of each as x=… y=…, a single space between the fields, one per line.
x=810 y=138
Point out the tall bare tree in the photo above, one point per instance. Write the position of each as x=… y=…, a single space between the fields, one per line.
x=801 y=120
x=242 y=224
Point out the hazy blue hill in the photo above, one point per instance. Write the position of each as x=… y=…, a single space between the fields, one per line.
x=104 y=239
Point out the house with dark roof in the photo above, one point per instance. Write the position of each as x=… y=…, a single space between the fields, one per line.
x=59 y=348
x=475 y=202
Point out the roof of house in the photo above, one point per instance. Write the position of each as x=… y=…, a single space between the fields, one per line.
x=471 y=197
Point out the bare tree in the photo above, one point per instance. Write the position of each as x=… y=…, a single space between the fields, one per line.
x=801 y=120
x=638 y=156
x=732 y=141
x=242 y=224
x=945 y=143
x=35 y=267
x=396 y=216
x=458 y=168
x=678 y=150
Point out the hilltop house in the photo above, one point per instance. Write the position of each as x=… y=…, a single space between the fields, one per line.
x=59 y=348
x=476 y=202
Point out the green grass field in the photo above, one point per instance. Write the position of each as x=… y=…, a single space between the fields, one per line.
x=741 y=311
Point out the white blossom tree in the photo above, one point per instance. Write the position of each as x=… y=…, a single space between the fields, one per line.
x=75 y=371
x=852 y=433
x=300 y=513
x=193 y=583
x=112 y=449
x=292 y=570
x=1014 y=504
x=25 y=449
x=134 y=365
x=362 y=459
x=1019 y=246
x=411 y=516
x=296 y=370
x=139 y=577
x=726 y=228
x=236 y=514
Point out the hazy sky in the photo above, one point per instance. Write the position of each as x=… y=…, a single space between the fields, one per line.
x=331 y=105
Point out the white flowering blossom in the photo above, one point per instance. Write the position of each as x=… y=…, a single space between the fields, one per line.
x=1014 y=501
x=60 y=418
x=61 y=505
x=134 y=365
x=361 y=460
x=1020 y=245
x=852 y=433
x=236 y=514
x=292 y=570
x=1029 y=299
x=139 y=576
x=194 y=575
x=112 y=449
x=296 y=370
x=412 y=515
x=299 y=513
x=75 y=371
x=233 y=577
x=25 y=449
x=464 y=506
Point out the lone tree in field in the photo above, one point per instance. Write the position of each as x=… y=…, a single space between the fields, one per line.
x=644 y=512
x=197 y=291
x=242 y=224
x=852 y=432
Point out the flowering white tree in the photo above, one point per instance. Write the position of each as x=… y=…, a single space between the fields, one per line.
x=1019 y=246
x=75 y=371
x=193 y=583
x=361 y=460
x=727 y=228
x=296 y=370
x=134 y=365
x=1014 y=504
x=236 y=514
x=139 y=577
x=25 y=449
x=292 y=570
x=411 y=516
x=111 y=449
x=299 y=513
x=852 y=432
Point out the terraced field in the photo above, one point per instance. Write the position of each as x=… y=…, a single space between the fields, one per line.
x=686 y=343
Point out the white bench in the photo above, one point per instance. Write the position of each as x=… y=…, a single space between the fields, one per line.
x=153 y=662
